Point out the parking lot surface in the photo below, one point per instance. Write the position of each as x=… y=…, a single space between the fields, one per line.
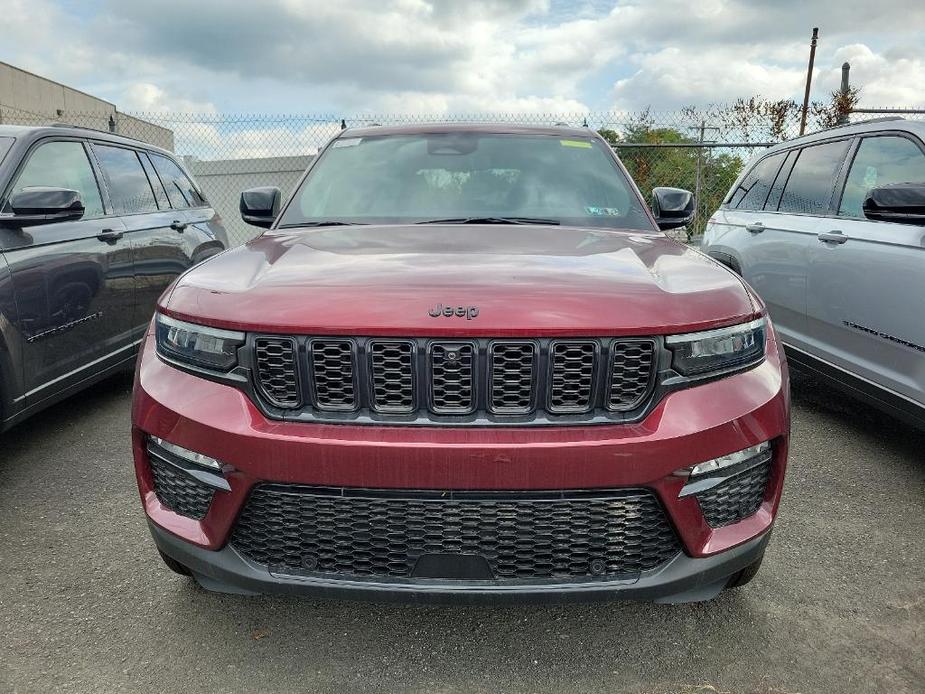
x=87 y=606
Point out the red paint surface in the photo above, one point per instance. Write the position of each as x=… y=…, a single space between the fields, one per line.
x=527 y=281
x=687 y=427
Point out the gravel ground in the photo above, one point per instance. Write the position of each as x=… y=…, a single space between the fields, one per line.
x=85 y=604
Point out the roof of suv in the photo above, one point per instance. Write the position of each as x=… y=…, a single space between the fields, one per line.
x=868 y=126
x=34 y=132
x=489 y=128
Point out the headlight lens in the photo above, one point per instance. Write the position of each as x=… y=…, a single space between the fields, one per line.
x=198 y=345
x=717 y=350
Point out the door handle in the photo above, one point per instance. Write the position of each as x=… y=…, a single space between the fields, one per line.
x=755 y=228
x=110 y=235
x=177 y=225
x=832 y=237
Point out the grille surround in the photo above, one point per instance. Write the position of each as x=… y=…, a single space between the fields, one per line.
x=358 y=534
x=337 y=383
x=282 y=386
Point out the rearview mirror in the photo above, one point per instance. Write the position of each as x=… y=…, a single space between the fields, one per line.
x=259 y=206
x=898 y=202
x=43 y=205
x=672 y=207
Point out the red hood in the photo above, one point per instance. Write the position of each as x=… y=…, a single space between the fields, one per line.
x=377 y=280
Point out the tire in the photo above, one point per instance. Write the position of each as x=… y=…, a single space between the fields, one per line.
x=745 y=575
x=174 y=565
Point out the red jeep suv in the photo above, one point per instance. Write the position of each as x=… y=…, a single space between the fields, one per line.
x=463 y=361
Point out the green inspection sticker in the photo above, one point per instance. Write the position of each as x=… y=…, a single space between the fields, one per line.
x=583 y=144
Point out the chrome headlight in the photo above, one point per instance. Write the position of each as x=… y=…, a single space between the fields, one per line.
x=717 y=350
x=198 y=345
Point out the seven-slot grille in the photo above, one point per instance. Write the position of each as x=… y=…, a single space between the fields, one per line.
x=358 y=533
x=470 y=380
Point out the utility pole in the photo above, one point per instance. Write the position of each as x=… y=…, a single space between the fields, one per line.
x=843 y=119
x=809 y=79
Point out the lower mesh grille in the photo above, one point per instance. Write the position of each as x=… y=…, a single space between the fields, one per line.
x=178 y=491
x=737 y=498
x=364 y=533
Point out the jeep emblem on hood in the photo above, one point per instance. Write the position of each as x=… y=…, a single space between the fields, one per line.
x=467 y=312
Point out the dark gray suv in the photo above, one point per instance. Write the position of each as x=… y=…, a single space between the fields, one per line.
x=93 y=228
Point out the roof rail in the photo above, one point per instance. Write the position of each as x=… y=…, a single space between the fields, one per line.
x=883 y=119
x=97 y=130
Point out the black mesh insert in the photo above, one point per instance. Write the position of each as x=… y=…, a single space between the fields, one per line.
x=276 y=370
x=632 y=367
x=365 y=533
x=178 y=491
x=738 y=498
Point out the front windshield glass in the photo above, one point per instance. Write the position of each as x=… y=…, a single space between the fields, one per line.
x=394 y=179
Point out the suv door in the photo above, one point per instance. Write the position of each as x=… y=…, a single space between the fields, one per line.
x=72 y=281
x=188 y=240
x=158 y=248
x=867 y=278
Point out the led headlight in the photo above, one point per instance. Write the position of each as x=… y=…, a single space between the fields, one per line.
x=198 y=345
x=717 y=350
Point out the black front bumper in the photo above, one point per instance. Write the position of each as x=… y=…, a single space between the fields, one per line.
x=681 y=579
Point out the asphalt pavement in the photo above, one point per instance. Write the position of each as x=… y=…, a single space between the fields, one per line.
x=87 y=606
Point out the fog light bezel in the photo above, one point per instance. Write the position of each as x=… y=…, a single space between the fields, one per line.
x=714 y=472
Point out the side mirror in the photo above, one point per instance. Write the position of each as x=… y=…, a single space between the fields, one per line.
x=259 y=206
x=42 y=205
x=672 y=207
x=898 y=202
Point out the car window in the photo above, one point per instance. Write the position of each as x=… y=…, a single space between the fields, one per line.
x=880 y=161
x=180 y=189
x=777 y=188
x=810 y=185
x=62 y=165
x=163 y=202
x=753 y=190
x=415 y=178
x=129 y=188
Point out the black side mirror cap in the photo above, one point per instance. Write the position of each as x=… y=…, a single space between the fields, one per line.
x=260 y=206
x=43 y=205
x=903 y=203
x=672 y=207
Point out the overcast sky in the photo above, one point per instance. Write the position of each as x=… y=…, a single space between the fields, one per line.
x=462 y=56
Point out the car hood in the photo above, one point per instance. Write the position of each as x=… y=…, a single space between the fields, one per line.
x=538 y=280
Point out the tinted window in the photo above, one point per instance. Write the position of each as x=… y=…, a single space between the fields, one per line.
x=879 y=162
x=777 y=188
x=5 y=144
x=180 y=189
x=128 y=185
x=416 y=178
x=159 y=194
x=62 y=165
x=809 y=188
x=753 y=190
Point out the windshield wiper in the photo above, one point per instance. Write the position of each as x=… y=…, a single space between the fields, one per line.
x=492 y=220
x=323 y=223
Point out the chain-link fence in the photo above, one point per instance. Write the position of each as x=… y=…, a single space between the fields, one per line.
x=702 y=150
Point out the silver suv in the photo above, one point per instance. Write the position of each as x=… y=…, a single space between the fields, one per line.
x=830 y=230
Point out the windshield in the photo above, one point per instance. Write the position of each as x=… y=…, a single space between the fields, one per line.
x=467 y=177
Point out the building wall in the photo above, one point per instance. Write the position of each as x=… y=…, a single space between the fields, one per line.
x=28 y=99
x=223 y=180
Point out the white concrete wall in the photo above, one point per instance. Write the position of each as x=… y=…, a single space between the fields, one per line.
x=223 y=180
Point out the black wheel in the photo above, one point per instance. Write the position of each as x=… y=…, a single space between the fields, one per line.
x=174 y=565
x=745 y=575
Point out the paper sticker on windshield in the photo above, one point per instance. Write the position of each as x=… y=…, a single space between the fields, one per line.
x=583 y=144
x=602 y=211
x=347 y=142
